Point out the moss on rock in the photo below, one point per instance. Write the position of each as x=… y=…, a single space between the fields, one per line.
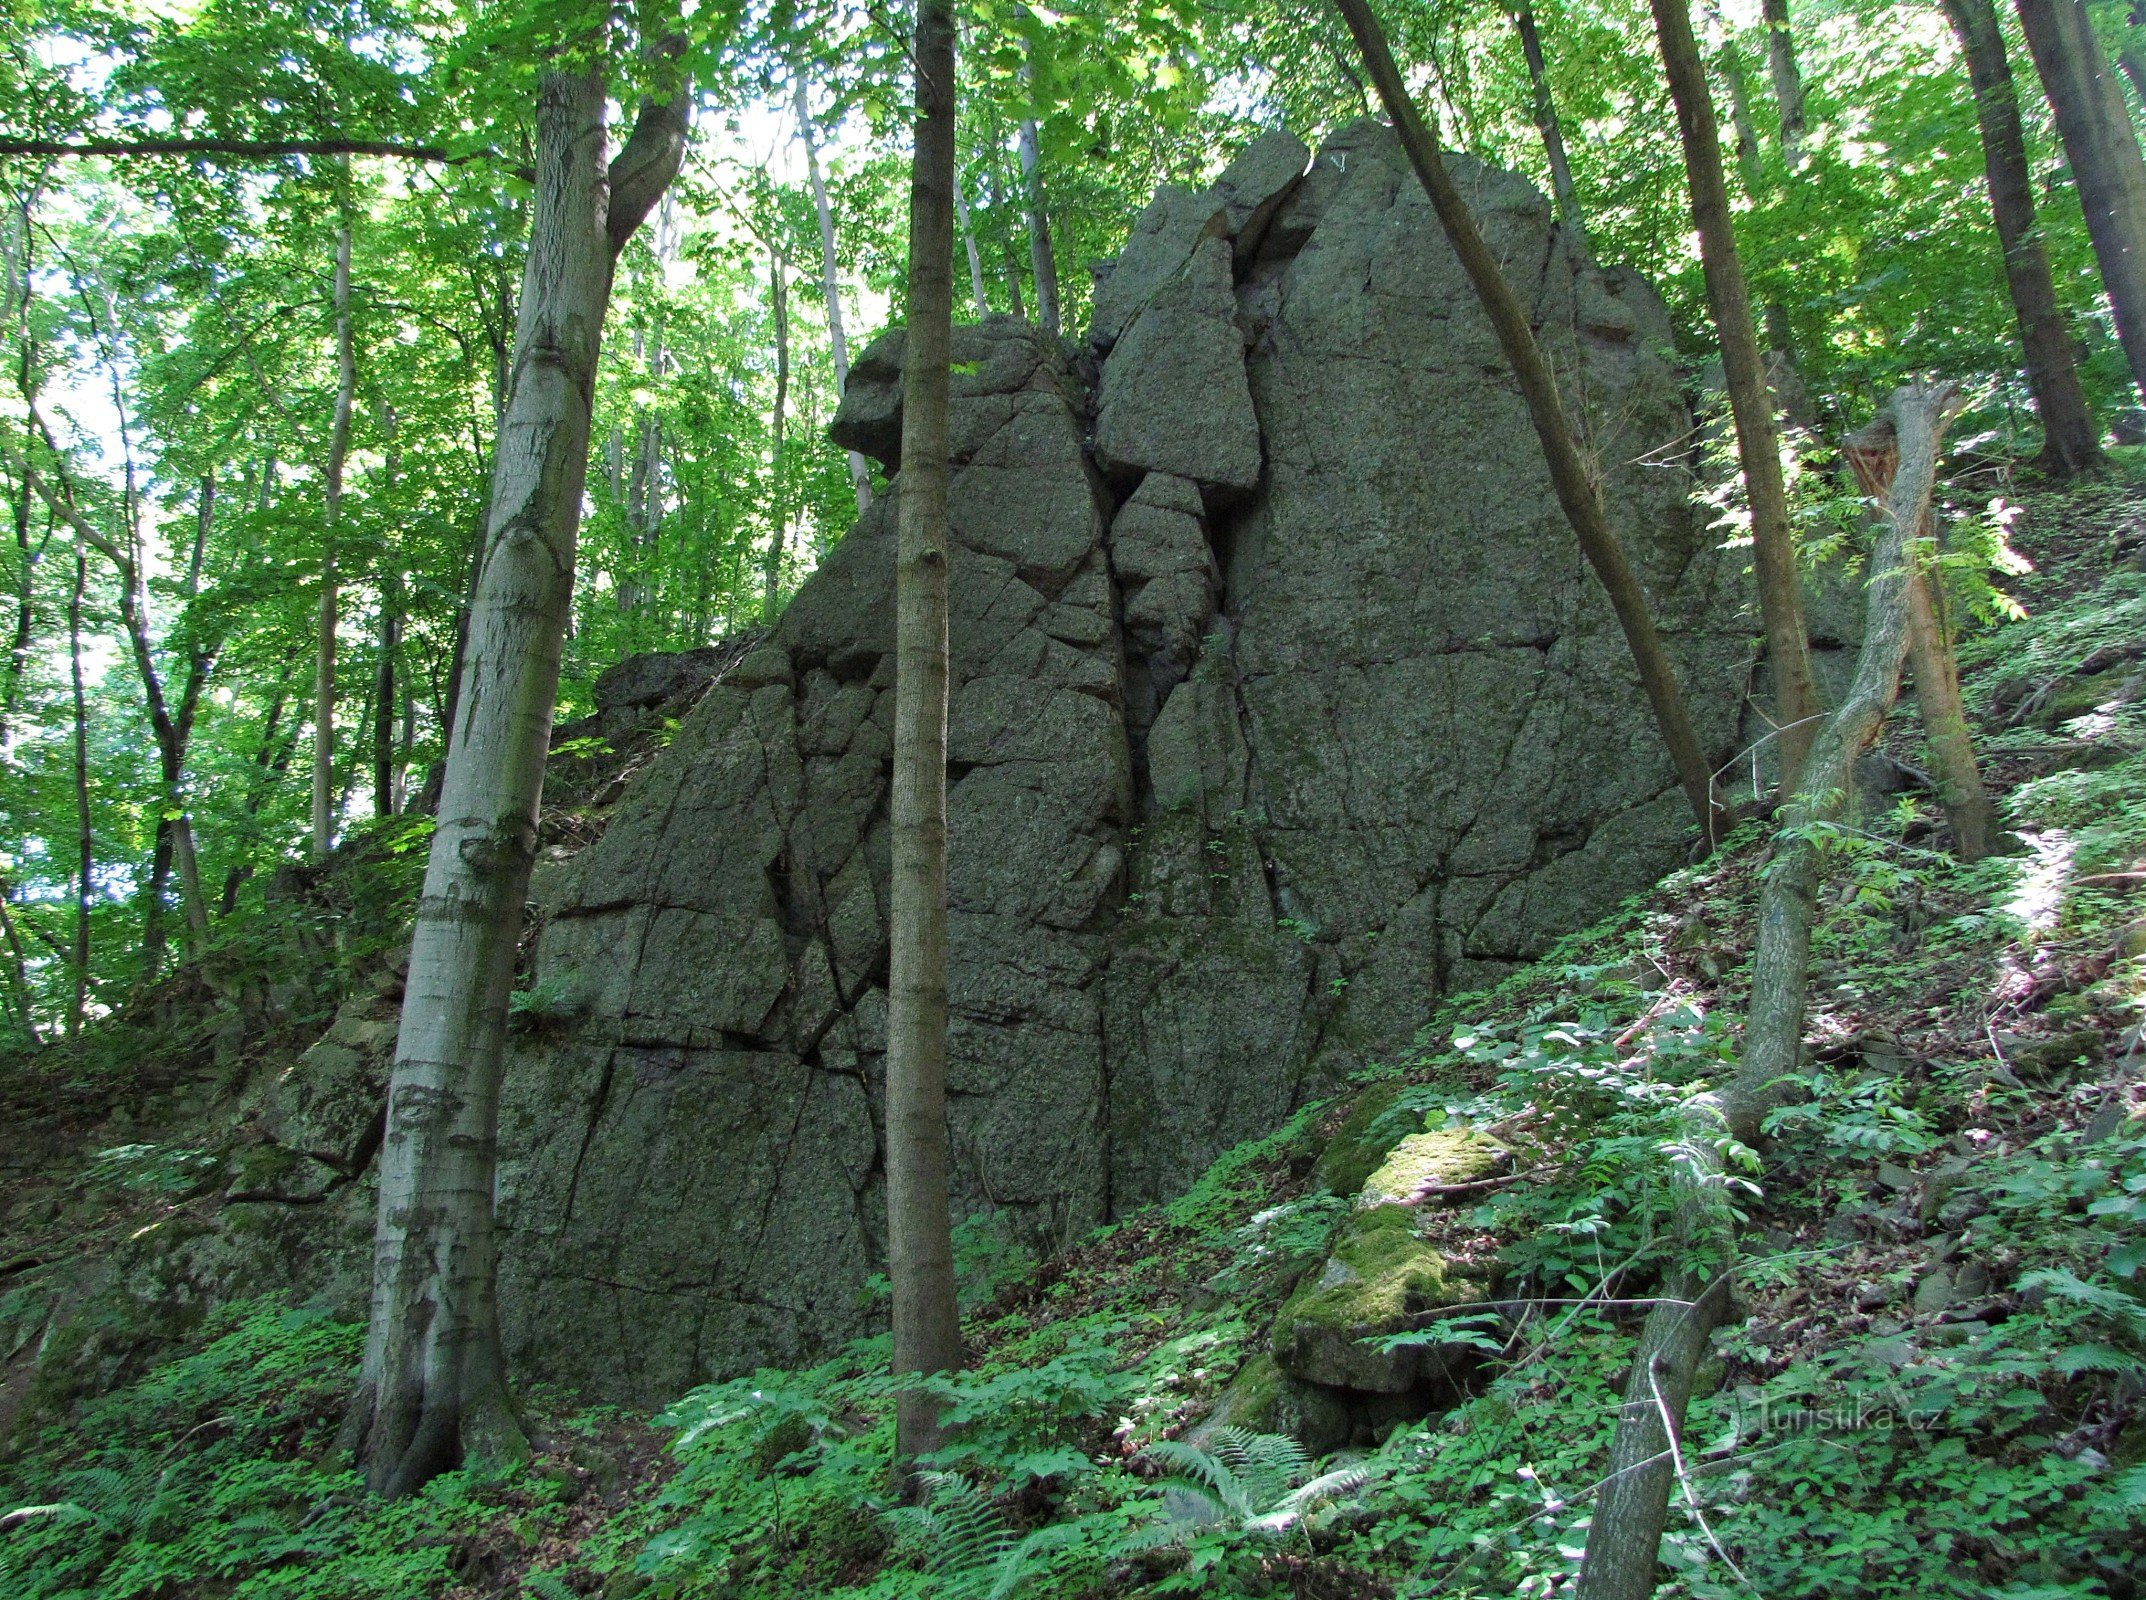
x=1425 y=1161
x=1379 y=1279
x=1360 y=1144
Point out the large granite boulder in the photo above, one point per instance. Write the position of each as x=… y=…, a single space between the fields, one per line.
x=1283 y=704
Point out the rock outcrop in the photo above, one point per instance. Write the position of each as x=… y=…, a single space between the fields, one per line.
x=1283 y=704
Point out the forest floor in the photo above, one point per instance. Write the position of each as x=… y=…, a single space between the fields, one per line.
x=1933 y=1384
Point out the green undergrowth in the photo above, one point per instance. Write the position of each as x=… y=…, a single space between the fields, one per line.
x=1930 y=1386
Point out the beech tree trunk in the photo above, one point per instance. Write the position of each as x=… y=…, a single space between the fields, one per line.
x=1787 y=80
x=2104 y=155
x=1750 y=161
x=1577 y=491
x=1552 y=130
x=920 y=1251
x=1042 y=260
x=332 y=492
x=1013 y=265
x=1624 y=1537
x=968 y=241
x=433 y=1390
x=1758 y=443
x=771 y=570
x=85 y=862
x=387 y=769
x=831 y=285
x=172 y=730
x=2071 y=441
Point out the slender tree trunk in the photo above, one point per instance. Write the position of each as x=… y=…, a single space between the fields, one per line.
x=1624 y=1537
x=1758 y=444
x=2132 y=61
x=1577 y=491
x=927 y=1325
x=1553 y=132
x=1042 y=259
x=2104 y=155
x=1787 y=80
x=433 y=1388
x=172 y=731
x=968 y=241
x=2071 y=442
x=346 y=362
x=779 y=538
x=1013 y=264
x=271 y=759
x=387 y=771
x=1750 y=160
x=831 y=285
x=85 y=862
x=18 y=969
x=18 y=651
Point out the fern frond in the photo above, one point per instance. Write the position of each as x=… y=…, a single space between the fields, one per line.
x=1210 y=1471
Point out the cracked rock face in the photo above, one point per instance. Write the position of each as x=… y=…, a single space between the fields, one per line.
x=1282 y=704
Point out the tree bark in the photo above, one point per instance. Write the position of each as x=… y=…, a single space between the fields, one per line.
x=920 y=1259
x=432 y=1390
x=85 y=862
x=2104 y=155
x=2071 y=441
x=1013 y=265
x=387 y=770
x=968 y=241
x=1750 y=160
x=1787 y=80
x=1624 y=1537
x=1577 y=491
x=172 y=730
x=831 y=286
x=779 y=538
x=1042 y=259
x=1758 y=444
x=1553 y=132
x=1936 y=671
x=346 y=393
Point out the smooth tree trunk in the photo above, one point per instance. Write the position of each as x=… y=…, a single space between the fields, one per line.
x=1758 y=442
x=2071 y=440
x=778 y=502
x=968 y=243
x=1006 y=243
x=171 y=726
x=346 y=394
x=831 y=285
x=2103 y=152
x=1042 y=258
x=1935 y=668
x=85 y=862
x=1578 y=492
x=920 y=1251
x=432 y=1389
x=1750 y=160
x=1646 y=1464
x=1787 y=80
x=1565 y=191
x=387 y=772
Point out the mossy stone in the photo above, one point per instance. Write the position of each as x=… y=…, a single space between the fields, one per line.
x=1360 y=1144
x=1379 y=1279
x=1427 y=1160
